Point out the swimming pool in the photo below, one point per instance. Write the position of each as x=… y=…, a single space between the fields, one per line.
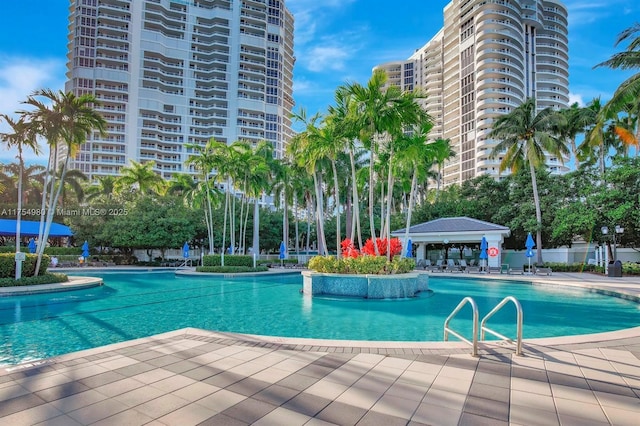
x=132 y=305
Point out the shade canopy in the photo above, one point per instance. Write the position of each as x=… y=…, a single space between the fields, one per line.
x=31 y=228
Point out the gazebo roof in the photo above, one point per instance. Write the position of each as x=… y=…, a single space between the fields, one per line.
x=453 y=224
x=454 y=229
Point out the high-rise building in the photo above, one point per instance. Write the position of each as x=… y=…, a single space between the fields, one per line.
x=487 y=59
x=169 y=73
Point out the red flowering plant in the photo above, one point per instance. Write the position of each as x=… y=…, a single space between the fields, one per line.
x=364 y=261
x=396 y=247
x=348 y=250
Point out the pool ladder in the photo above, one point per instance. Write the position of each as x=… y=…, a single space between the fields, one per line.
x=483 y=327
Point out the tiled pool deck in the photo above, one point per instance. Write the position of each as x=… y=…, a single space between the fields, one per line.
x=195 y=377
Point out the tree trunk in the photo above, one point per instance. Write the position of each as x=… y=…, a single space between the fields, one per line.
x=337 y=206
x=536 y=201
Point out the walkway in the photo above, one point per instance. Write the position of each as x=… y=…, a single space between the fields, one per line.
x=194 y=377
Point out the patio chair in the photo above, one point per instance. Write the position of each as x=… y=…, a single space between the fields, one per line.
x=438 y=267
x=452 y=267
x=421 y=264
x=463 y=264
x=470 y=269
x=542 y=270
x=494 y=270
x=516 y=271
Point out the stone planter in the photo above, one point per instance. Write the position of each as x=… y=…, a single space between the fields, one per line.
x=366 y=286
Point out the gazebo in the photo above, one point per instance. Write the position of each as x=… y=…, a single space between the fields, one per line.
x=457 y=231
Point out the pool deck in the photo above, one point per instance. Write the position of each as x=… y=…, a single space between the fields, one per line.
x=192 y=376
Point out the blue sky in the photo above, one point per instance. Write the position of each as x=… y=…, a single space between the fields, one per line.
x=336 y=41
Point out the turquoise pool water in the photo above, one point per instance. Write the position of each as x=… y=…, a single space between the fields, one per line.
x=132 y=305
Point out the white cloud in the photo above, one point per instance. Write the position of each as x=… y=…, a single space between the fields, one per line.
x=576 y=97
x=19 y=77
x=322 y=58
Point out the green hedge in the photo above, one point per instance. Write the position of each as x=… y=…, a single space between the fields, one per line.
x=58 y=251
x=230 y=269
x=8 y=265
x=373 y=265
x=47 y=278
x=230 y=260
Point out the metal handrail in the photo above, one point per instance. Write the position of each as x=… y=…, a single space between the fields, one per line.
x=447 y=330
x=499 y=306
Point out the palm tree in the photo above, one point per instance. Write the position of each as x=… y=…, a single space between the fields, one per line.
x=444 y=152
x=22 y=136
x=180 y=184
x=596 y=140
x=629 y=90
x=103 y=190
x=378 y=111
x=73 y=182
x=69 y=119
x=140 y=177
x=571 y=122
x=525 y=136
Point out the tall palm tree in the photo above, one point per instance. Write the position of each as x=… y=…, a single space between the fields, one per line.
x=263 y=170
x=140 y=177
x=61 y=118
x=596 y=141
x=21 y=137
x=380 y=111
x=629 y=90
x=571 y=122
x=103 y=190
x=525 y=136
x=444 y=152
x=180 y=184
x=72 y=182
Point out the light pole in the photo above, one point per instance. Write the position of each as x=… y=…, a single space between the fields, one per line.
x=618 y=230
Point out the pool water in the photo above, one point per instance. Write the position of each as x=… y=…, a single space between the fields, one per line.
x=132 y=305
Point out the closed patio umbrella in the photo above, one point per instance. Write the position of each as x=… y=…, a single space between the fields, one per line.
x=484 y=245
x=283 y=252
x=32 y=246
x=85 y=250
x=185 y=250
x=529 y=244
x=409 y=248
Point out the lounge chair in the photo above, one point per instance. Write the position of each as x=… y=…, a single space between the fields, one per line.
x=437 y=267
x=452 y=267
x=494 y=270
x=469 y=269
x=463 y=264
x=516 y=271
x=421 y=264
x=542 y=270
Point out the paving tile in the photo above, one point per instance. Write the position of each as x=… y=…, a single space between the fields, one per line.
x=221 y=400
x=396 y=406
x=78 y=400
x=566 y=420
x=63 y=420
x=342 y=414
x=436 y=415
x=271 y=375
x=407 y=390
x=162 y=405
x=30 y=416
x=19 y=403
x=127 y=417
x=618 y=416
x=532 y=415
x=222 y=420
x=13 y=390
x=306 y=404
x=492 y=379
x=326 y=389
x=181 y=366
x=373 y=418
x=498 y=410
x=248 y=386
x=477 y=420
x=578 y=409
x=196 y=391
x=98 y=411
x=191 y=414
x=359 y=397
x=101 y=379
x=531 y=386
x=202 y=372
x=495 y=393
x=62 y=391
x=36 y=383
x=533 y=400
x=173 y=383
x=281 y=416
x=135 y=369
x=249 y=410
x=139 y=396
x=276 y=394
x=443 y=398
x=224 y=379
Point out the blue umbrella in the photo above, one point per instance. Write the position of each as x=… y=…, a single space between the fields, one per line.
x=409 y=249
x=529 y=244
x=484 y=245
x=85 y=250
x=185 y=250
x=283 y=251
x=32 y=246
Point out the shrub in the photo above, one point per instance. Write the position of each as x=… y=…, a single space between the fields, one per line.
x=230 y=260
x=8 y=265
x=47 y=278
x=372 y=265
x=230 y=269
